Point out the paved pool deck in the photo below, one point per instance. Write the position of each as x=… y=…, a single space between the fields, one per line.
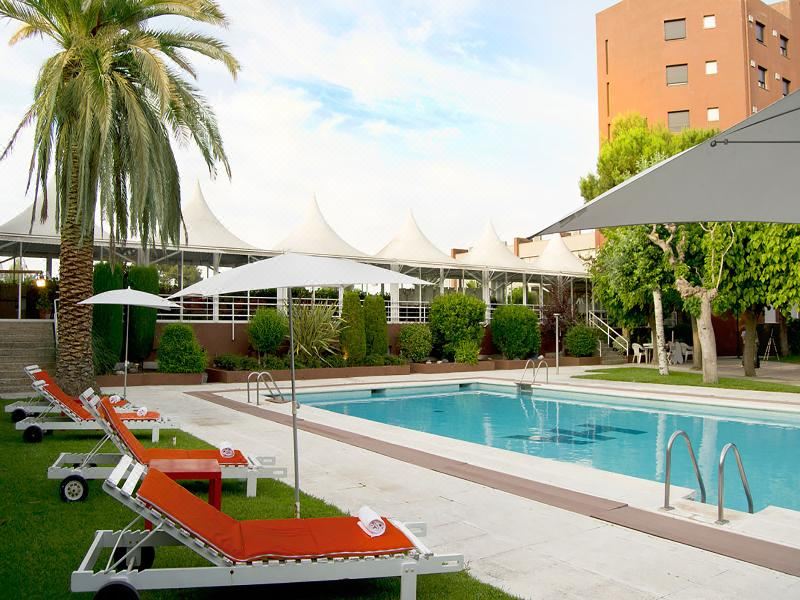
x=528 y=547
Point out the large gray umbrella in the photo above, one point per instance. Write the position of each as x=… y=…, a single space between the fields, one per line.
x=747 y=173
x=128 y=298
x=295 y=270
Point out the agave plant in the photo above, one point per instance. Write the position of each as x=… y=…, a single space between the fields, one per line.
x=316 y=331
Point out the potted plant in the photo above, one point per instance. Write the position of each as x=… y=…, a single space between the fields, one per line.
x=45 y=305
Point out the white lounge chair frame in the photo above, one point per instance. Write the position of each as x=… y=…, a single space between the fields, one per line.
x=223 y=571
x=99 y=465
x=51 y=420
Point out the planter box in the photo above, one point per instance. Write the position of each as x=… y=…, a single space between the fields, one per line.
x=583 y=361
x=484 y=365
x=135 y=379
x=503 y=364
x=222 y=376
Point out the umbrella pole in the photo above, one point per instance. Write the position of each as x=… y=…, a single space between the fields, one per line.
x=294 y=411
x=127 y=336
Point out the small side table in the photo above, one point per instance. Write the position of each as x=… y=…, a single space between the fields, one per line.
x=191 y=468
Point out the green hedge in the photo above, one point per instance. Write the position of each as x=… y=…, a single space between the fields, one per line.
x=416 y=342
x=377 y=336
x=467 y=352
x=353 y=337
x=267 y=330
x=515 y=331
x=107 y=319
x=580 y=340
x=179 y=351
x=143 y=320
x=456 y=318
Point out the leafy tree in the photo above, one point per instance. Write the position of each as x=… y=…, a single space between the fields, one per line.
x=456 y=317
x=267 y=330
x=353 y=337
x=169 y=279
x=105 y=107
x=377 y=336
x=515 y=331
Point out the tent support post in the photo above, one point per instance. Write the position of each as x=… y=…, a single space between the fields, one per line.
x=294 y=409
x=524 y=290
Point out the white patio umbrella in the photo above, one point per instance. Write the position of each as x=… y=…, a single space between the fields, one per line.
x=747 y=173
x=128 y=297
x=296 y=270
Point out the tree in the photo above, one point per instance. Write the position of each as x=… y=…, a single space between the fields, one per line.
x=169 y=277
x=107 y=319
x=377 y=335
x=352 y=337
x=105 y=108
x=633 y=147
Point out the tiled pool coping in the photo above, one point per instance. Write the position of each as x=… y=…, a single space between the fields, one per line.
x=755 y=551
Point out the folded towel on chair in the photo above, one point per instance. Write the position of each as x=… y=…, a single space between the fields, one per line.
x=141 y=411
x=370 y=522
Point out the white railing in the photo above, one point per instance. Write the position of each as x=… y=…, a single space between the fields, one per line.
x=614 y=338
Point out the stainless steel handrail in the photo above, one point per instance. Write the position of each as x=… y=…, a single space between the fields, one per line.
x=529 y=363
x=668 y=475
x=721 y=483
x=536 y=366
x=249 y=379
x=272 y=388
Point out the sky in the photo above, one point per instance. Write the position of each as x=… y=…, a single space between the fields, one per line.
x=462 y=111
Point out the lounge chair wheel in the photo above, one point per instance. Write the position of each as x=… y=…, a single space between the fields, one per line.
x=117 y=591
x=147 y=556
x=32 y=434
x=18 y=414
x=74 y=489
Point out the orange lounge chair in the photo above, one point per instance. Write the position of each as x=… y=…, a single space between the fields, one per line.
x=67 y=413
x=75 y=469
x=253 y=552
x=33 y=406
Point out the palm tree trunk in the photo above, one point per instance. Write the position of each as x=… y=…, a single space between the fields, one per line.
x=74 y=363
x=660 y=345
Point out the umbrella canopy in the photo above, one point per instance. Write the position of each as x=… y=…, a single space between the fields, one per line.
x=747 y=173
x=129 y=297
x=296 y=270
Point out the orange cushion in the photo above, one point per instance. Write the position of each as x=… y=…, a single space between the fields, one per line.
x=150 y=415
x=266 y=539
x=176 y=453
x=112 y=417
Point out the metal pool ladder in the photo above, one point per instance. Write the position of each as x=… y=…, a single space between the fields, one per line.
x=672 y=438
x=521 y=385
x=272 y=388
x=721 y=482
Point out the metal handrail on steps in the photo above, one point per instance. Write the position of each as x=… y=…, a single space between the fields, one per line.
x=613 y=337
x=721 y=482
x=536 y=366
x=265 y=377
x=668 y=474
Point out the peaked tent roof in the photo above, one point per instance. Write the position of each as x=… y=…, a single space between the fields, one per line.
x=409 y=244
x=490 y=251
x=558 y=258
x=315 y=236
x=204 y=229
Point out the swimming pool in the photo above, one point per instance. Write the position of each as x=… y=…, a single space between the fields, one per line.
x=622 y=435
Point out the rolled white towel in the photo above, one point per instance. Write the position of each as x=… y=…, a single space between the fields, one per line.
x=226 y=450
x=115 y=398
x=370 y=522
x=141 y=411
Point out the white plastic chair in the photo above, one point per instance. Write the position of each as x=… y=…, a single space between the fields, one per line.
x=687 y=350
x=638 y=353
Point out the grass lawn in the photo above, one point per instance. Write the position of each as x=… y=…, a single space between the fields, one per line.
x=44 y=539
x=650 y=375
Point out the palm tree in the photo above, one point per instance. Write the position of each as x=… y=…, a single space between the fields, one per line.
x=106 y=108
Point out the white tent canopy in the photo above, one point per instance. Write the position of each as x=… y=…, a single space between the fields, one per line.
x=205 y=230
x=747 y=173
x=315 y=236
x=558 y=258
x=490 y=252
x=410 y=245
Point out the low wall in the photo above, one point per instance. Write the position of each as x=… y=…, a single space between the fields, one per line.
x=147 y=378
x=223 y=376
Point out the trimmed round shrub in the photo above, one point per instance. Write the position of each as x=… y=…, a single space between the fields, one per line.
x=580 y=340
x=467 y=351
x=377 y=336
x=352 y=337
x=515 y=331
x=456 y=318
x=179 y=351
x=416 y=342
x=267 y=330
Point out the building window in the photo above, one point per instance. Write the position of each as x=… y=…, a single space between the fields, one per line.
x=784 y=46
x=762 y=77
x=675 y=29
x=709 y=22
x=712 y=114
x=786 y=86
x=759 y=32
x=678 y=120
x=608 y=99
x=677 y=74
x=711 y=67
x=606 y=57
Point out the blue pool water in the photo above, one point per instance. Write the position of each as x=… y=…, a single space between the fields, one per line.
x=622 y=435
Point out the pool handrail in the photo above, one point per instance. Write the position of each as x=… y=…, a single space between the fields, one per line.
x=274 y=391
x=668 y=474
x=536 y=366
x=721 y=482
